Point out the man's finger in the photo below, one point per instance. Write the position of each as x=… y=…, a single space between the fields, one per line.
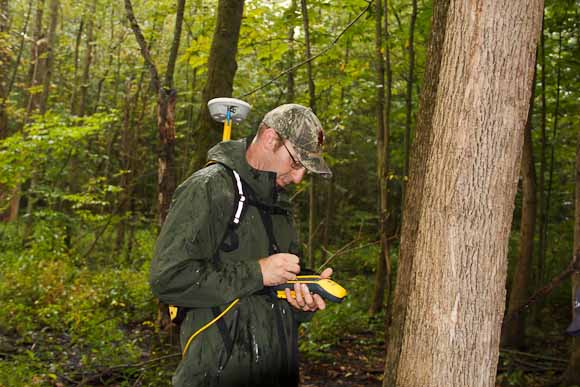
x=294 y=268
x=320 y=304
x=291 y=300
x=327 y=273
x=308 y=297
x=291 y=258
x=299 y=298
x=289 y=276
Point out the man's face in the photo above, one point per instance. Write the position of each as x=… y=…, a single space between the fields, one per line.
x=289 y=169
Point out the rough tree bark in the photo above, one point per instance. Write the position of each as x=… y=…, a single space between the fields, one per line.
x=222 y=68
x=513 y=330
x=463 y=177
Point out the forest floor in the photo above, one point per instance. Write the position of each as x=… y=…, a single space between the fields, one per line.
x=357 y=360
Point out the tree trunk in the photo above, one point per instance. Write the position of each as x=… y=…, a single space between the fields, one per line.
x=111 y=51
x=36 y=70
x=87 y=61
x=39 y=99
x=513 y=331
x=552 y=151
x=539 y=278
x=312 y=98
x=167 y=171
x=5 y=59
x=222 y=68
x=572 y=375
x=409 y=97
x=125 y=158
x=38 y=46
x=16 y=66
x=43 y=76
x=463 y=177
x=166 y=101
x=54 y=6
x=76 y=86
x=291 y=54
x=383 y=263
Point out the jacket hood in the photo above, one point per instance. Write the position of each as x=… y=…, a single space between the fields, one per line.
x=233 y=155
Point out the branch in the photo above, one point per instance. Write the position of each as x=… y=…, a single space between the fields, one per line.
x=113 y=369
x=175 y=45
x=308 y=60
x=533 y=356
x=573 y=267
x=143 y=45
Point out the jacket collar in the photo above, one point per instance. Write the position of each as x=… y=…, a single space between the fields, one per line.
x=263 y=183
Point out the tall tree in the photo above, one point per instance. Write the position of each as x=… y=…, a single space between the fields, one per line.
x=409 y=95
x=222 y=68
x=166 y=100
x=50 y=52
x=463 y=173
x=291 y=52
x=87 y=61
x=555 y=120
x=539 y=278
x=36 y=61
x=15 y=67
x=312 y=102
x=572 y=375
x=75 y=85
x=381 y=61
x=513 y=331
x=5 y=57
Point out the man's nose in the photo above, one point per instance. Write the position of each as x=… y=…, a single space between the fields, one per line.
x=298 y=174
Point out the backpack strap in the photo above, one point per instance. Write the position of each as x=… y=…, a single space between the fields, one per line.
x=237 y=216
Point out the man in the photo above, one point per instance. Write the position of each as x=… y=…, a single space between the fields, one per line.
x=227 y=238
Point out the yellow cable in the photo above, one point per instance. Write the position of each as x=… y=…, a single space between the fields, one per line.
x=203 y=328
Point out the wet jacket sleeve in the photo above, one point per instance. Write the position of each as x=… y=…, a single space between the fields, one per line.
x=183 y=271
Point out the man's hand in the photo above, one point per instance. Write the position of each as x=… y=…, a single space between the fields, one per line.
x=304 y=299
x=280 y=268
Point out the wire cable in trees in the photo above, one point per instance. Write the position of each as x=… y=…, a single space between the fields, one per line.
x=310 y=59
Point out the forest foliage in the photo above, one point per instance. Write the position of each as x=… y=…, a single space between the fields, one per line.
x=78 y=160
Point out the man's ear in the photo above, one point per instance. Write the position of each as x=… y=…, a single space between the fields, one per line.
x=270 y=138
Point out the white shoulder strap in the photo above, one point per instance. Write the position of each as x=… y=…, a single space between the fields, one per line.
x=242 y=199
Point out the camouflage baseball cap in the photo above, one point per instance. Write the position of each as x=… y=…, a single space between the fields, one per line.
x=300 y=126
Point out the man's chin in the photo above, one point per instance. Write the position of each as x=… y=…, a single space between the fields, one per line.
x=281 y=183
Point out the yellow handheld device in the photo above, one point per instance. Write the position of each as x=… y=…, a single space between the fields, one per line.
x=325 y=288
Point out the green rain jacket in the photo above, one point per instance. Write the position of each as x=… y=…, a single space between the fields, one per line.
x=255 y=343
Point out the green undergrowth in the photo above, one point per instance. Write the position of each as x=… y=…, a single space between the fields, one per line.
x=62 y=321
x=332 y=327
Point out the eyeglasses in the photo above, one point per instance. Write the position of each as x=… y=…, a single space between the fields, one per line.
x=296 y=164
